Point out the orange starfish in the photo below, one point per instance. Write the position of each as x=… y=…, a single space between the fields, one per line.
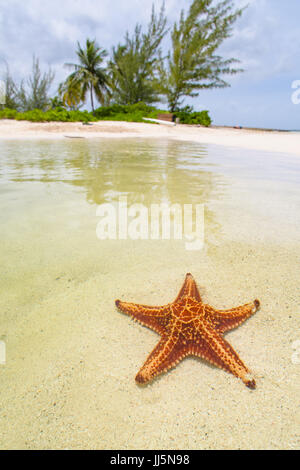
x=189 y=327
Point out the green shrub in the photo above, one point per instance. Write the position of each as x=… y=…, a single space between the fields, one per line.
x=125 y=112
x=7 y=113
x=57 y=114
x=116 y=112
x=188 y=116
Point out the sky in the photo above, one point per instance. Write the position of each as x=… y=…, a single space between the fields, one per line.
x=266 y=39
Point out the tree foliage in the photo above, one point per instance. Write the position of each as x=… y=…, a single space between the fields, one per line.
x=116 y=112
x=34 y=92
x=31 y=93
x=137 y=71
x=11 y=91
x=193 y=62
x=70 y=93
x=89 y=76
x=134 y=64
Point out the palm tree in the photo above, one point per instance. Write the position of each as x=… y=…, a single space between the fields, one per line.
x=88 y=75
x=70 y=93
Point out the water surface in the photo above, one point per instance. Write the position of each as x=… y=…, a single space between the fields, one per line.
x=71 y=357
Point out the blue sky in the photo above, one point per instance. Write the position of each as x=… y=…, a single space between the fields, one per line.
x=266 y=40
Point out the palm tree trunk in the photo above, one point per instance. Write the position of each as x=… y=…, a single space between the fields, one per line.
x=92 y=99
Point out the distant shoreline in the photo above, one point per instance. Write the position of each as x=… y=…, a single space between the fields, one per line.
x=257 y=139
x=265 y=129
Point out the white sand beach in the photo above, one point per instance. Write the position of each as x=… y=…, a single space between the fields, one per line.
x=273 y=141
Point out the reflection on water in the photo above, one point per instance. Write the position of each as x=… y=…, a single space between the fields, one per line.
x=145 y=171
x=239 y=188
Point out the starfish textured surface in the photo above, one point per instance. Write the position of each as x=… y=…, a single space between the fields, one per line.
x=188 y=327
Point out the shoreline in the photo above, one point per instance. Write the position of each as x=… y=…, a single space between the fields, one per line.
x=253 y=139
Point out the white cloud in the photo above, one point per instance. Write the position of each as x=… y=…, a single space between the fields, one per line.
x=266 y=39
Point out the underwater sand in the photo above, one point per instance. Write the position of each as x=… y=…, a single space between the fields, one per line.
x=71 y=356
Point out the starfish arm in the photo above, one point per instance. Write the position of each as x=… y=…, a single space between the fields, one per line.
x=226 y=320
x=155 y=318
x=211 y=346
x=189 y=289
x=167 y=353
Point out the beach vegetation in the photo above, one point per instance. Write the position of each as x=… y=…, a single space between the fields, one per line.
x=70 y=95
x=58 y=114
x=134 y=64
x=193 y=63
x=187 y=115
x=11 y=91
x=89 y=77
x=116 y=112
x=137 y=73
x=31 y=93
x=34 y=92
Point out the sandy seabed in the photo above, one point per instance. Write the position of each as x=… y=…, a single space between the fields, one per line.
x=68 y=381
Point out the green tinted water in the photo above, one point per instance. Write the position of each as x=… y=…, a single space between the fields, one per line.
x=59 y=282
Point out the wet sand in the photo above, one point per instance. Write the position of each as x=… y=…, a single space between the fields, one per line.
x=68 y=381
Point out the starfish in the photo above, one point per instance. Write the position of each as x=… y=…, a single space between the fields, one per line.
x=188 y=327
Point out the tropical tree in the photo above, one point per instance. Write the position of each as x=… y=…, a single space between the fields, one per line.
x=30 y=93
x=70 y=93
x=10 y=91
x=89 y=76
x=134 y=64
x=192 y=63
x=56 y=102
x=33 y=93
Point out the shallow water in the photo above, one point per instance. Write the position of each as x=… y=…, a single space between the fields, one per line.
x=66 y=343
